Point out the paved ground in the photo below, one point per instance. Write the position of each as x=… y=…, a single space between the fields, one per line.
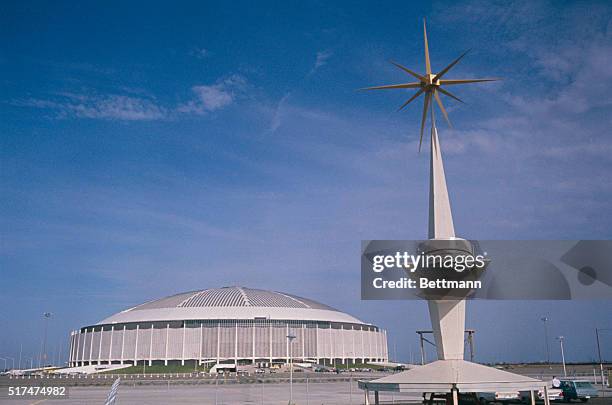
x=330 y=393
x=166 y=390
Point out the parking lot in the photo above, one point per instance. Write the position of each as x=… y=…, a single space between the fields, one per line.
x=335 y=392
x=271 y=393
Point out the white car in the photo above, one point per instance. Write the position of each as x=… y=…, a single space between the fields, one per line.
x=554 y=394
x=498 y=397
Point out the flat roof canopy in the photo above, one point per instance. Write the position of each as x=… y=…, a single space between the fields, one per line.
x=444 y=375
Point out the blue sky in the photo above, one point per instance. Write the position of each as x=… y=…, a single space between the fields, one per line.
x=152 y=148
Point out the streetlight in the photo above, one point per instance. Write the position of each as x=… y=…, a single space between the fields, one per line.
x=46 y=316
x=599 y=353
x=544 y=320
x=13 y=360
x=2 y=358
x=560 y=339
x=291 y=338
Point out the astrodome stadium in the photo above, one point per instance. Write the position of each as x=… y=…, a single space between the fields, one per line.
x=228 y=325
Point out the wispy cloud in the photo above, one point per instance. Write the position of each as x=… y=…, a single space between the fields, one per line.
x=200 y=53
x=321 y=59
x=278 y=113
x=557 y=112
x=209 y=98
x=135 y=107
x=109 y=107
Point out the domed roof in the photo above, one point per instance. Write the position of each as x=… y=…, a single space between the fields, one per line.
x=231 y=303
x=233 y=297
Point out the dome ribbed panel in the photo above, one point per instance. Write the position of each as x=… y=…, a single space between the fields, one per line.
x=261 y=298
x=233 y=297
x=218 y=297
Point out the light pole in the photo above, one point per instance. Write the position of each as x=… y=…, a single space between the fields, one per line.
x=2 y=358
x=599 y=353
x=544 y=320
x=46 y=316
x=20 y=351
x=291 y=337
x=13 y=360
x=560 y=339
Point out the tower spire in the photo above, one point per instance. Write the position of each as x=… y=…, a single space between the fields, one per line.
x=447 y=316
x=440 y=216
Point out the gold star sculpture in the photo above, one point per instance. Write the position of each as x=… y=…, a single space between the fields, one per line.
x=430 y=84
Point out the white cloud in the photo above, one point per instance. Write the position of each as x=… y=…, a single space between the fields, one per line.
x=557 y=94
x=209 y=98
x=278 y=113
x=109 y=107
x=321 y=60
x=121 y=107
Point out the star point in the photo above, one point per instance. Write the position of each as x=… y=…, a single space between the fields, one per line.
x=430 y=84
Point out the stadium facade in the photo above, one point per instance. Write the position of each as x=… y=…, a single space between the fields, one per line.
x=228 y=325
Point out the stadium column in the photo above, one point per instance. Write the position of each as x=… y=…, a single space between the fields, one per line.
x=378 y=345
x=183 y=346
x=83 y=351
x=343 y=345
x=71 y=349
x=382 y=344
x=353 y=339
x=331 y=345
x=78 y=341
x=76 y=352
x=303 y=341
x=287 y=341
x=151 y=347
x=110 y=346
x=92 y=333
x=136 y=346
x=122 y=343
x=270 y=341
x=362 y=345
x=385 y=346
x=167 y=338
x=317 y=342
x=375 y=337
x=100 y=345
x=370 y=351
x=218 y=341
x=253 y=327
x=236 y=343
x=201 y=343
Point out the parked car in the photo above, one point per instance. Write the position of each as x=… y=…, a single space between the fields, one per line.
x=554 y=394
x=578 y=390
x=498 y=397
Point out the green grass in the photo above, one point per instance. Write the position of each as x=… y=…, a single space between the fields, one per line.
x=158 y=369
